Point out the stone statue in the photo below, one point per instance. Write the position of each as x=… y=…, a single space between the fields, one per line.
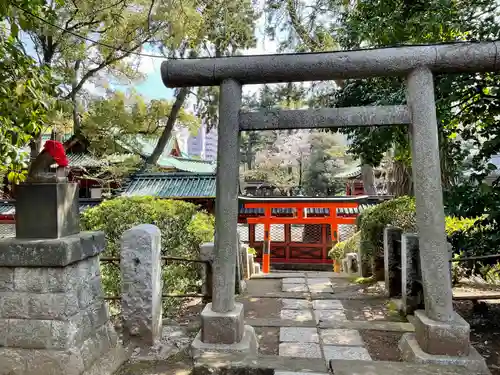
x=53 y=153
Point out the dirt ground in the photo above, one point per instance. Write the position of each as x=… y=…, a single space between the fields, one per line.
x=371 y=310
x=483 y=317
x=382 y=346
x=484 y=320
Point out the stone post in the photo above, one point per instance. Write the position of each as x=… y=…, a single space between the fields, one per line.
x=439 y=331
x=222 y=321
x=207 y=255
x=240 y=282
x=411 y=289
x=392 y=261
x=142 y=284
x=244 y=257
x=53 y=318
x=251 y=262
x=429 y=196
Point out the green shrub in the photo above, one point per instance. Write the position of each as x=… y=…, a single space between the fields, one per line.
x=351 y=245
x=399 y=212
x=182 y=228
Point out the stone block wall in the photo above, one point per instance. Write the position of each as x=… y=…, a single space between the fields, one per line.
x=53 y=320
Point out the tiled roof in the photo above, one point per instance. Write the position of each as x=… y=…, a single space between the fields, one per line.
x=187 y=165
x=84 y=160
x=349 y=173
x=172 y=185
x=8 y=207
x=145 y=147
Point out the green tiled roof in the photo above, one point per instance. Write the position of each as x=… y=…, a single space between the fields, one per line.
x=172 y=185
x=145 y=146
x=84 y=160
x=187 y=165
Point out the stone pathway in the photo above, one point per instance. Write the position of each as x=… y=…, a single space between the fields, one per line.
x=316 y=342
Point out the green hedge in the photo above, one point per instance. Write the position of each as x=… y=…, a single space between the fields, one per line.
x=183 y=228
x=351 y=245
x=399 y=212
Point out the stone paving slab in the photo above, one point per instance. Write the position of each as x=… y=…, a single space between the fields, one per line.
x=346 y=367
x=369 y=325
x=346 y=352
x=329 y=304
x=278 y=275
x=237 y=363
x=342 y=324
x=294 y=288
x=320 y=289
x=319 y=281
x=347 y=296
x=300 y=350
x=296 y=304
x=298 y=373
x=326 y=274
x=344 y=337
x=294 y=280
x=329 y=315
x=299 y=334
x=290 y=295
x=298 y=315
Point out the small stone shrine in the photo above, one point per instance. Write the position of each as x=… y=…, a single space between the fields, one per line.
x=53 y=318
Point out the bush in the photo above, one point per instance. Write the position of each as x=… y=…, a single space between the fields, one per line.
x=182 y=228
x=400 y=213
x=351 y=245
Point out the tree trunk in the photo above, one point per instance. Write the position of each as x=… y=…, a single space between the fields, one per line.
x=74 y=101
x=400 y=180
x=368 y=179
x=167 y=131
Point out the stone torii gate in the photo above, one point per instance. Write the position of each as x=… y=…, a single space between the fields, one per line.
x=439 y=330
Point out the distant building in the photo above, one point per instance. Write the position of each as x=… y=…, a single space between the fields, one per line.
x=201 y=144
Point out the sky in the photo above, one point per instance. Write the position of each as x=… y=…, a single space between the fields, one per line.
x=153 y=88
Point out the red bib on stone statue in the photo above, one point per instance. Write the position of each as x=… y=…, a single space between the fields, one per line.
x=56 y=150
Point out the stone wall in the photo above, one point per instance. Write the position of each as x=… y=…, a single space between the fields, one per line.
x=53 y=319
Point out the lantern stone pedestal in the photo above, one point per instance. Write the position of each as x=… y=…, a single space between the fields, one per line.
x=53 y=318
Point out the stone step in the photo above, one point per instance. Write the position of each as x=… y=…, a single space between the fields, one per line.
x=238 y=364
x=355 y=367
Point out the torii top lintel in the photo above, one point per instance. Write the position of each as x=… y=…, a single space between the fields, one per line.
x=393 y=61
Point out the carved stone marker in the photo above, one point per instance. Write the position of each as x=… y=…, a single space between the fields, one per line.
x=411 y=287
x=53 y=318
x=245 y=264
x=392 y=260
x=142 y=284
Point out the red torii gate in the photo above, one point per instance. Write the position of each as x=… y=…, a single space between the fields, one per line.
x=299 y=206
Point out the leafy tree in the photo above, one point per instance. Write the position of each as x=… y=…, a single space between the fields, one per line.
x=121 y=116
x=322 y=165
x=226 y=27
x=25 y=93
